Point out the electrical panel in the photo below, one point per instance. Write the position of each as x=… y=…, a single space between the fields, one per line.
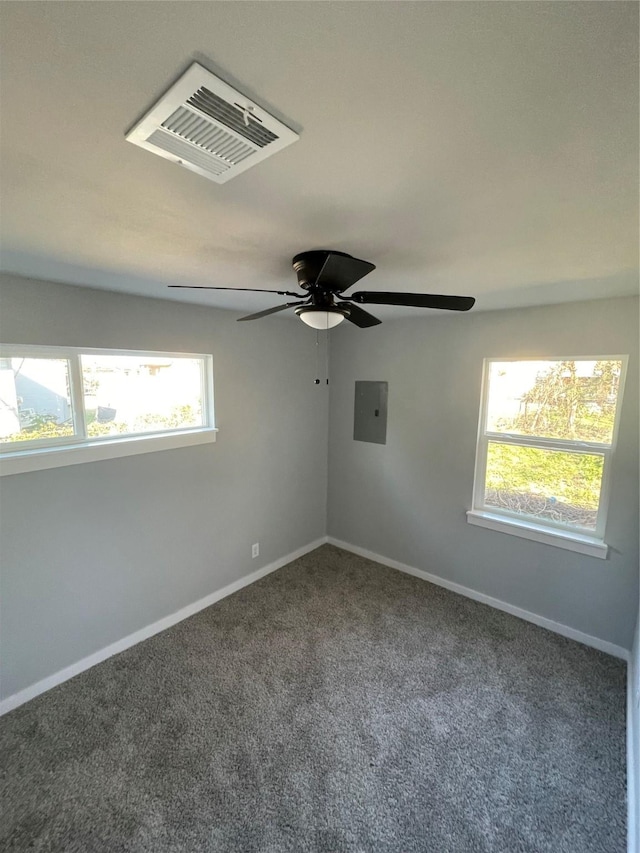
x=370 y=412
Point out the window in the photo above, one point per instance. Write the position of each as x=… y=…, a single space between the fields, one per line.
x=545 y=443
x=60 y=405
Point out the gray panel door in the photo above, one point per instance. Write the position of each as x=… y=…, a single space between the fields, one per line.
x=370 y=412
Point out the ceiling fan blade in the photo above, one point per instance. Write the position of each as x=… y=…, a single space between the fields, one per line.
x=342 y=271
x=417 y=300
x=359 y=316
x=270 y=311
x=245 y=289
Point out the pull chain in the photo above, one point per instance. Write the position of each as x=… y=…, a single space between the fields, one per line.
x=326 y=356
x=316 y=381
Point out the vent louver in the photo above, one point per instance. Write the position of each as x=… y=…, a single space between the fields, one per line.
x=203 y=124
x=232 y=116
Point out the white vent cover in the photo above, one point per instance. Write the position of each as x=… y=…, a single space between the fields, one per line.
x=206 y=126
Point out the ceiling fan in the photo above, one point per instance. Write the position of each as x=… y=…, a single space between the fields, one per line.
x=324 y=275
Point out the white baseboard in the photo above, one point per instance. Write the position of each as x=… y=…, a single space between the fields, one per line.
x=68 y=672
x=633 y=766
x=542 y=621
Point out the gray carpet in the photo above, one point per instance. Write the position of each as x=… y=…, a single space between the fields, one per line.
x=335 y=705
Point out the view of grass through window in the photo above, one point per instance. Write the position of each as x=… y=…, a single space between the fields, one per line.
x=549 y=426
x=561 y=487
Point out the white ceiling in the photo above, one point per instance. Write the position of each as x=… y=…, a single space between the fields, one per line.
x=486 y=149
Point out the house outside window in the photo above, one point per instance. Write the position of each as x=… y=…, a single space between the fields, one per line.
x=546 y=439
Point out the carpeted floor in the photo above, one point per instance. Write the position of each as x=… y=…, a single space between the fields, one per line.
x=335 y=705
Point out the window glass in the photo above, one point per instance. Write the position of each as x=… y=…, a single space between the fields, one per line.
x=126 y=395
x=546 y=441
x=572 y=400
x=549 y=485
x=35 y=401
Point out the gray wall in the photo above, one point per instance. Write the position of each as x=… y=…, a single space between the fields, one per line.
x=406 y=500
x=633 y=743
x=93 y=552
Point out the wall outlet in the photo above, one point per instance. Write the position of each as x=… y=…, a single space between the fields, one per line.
x=255 y=550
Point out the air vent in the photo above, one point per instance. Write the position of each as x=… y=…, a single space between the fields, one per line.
x=205 y=125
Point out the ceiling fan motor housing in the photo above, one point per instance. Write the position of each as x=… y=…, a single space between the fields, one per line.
x=308 y=265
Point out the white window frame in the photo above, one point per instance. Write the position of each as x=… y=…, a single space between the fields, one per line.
x=590 y=542
x=19 y=457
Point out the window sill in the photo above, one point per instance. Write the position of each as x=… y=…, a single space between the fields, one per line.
x=529 y=530
x=23 y=461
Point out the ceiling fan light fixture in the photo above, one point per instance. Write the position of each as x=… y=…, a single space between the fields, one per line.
x=321 y=318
